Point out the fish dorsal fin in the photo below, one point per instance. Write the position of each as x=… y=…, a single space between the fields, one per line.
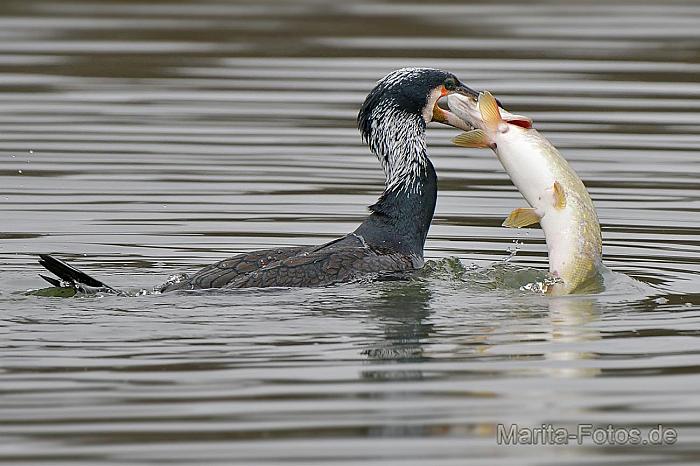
x=489 y=110
x=474 y=138
x=521 y=217
x=559 y=195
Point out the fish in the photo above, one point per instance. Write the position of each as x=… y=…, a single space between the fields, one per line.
x=558 y=199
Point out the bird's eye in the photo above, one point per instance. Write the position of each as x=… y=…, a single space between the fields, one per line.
x=450 y=84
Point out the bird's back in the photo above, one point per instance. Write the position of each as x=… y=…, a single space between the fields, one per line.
x=338 y=261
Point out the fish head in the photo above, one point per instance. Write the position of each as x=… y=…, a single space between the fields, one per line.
x=470 y=108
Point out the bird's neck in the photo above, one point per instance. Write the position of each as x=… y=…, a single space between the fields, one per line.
x=400 y=219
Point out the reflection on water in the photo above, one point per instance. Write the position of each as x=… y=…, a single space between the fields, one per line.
x=570 y=331
x=142 y=139
x=402 y=309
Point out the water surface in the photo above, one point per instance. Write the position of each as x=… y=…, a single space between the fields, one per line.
x=142 y=139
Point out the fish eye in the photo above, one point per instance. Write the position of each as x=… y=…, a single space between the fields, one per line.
x=450 y=84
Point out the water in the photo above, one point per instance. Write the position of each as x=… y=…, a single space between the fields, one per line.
x=142 y=139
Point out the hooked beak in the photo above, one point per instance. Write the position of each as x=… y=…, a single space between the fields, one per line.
x=446 y=117
x=465 y=91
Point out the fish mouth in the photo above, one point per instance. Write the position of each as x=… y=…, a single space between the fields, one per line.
x=442 y=114
x=441 y=109
x=466 y=108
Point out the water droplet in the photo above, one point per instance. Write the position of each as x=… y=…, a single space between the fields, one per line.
x=31 y=152
x=19 y=171
x=512 y=250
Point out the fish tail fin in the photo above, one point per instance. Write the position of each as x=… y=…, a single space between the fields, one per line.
x=71 y=277
x=488 y=106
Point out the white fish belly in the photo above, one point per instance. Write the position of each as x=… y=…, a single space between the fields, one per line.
x=526 y=164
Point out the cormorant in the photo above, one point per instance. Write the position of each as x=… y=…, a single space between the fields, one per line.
x=392 y=121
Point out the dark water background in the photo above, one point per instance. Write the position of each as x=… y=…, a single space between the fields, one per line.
x=141 y=139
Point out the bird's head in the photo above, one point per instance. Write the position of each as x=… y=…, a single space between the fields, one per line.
x=411 y=94
x=393 y=119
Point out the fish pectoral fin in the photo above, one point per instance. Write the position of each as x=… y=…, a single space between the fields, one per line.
x=559 y=195
x=474 y=138
x=521 y=217
x=488 y=106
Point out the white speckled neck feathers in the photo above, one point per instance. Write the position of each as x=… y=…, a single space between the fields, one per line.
x=398 y=141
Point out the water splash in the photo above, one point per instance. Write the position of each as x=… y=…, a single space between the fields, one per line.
x=501 y=275
x=541 y=287
x=513 y=250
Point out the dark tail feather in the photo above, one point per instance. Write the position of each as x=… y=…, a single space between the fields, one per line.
x=53 y=281
x=71 y=277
